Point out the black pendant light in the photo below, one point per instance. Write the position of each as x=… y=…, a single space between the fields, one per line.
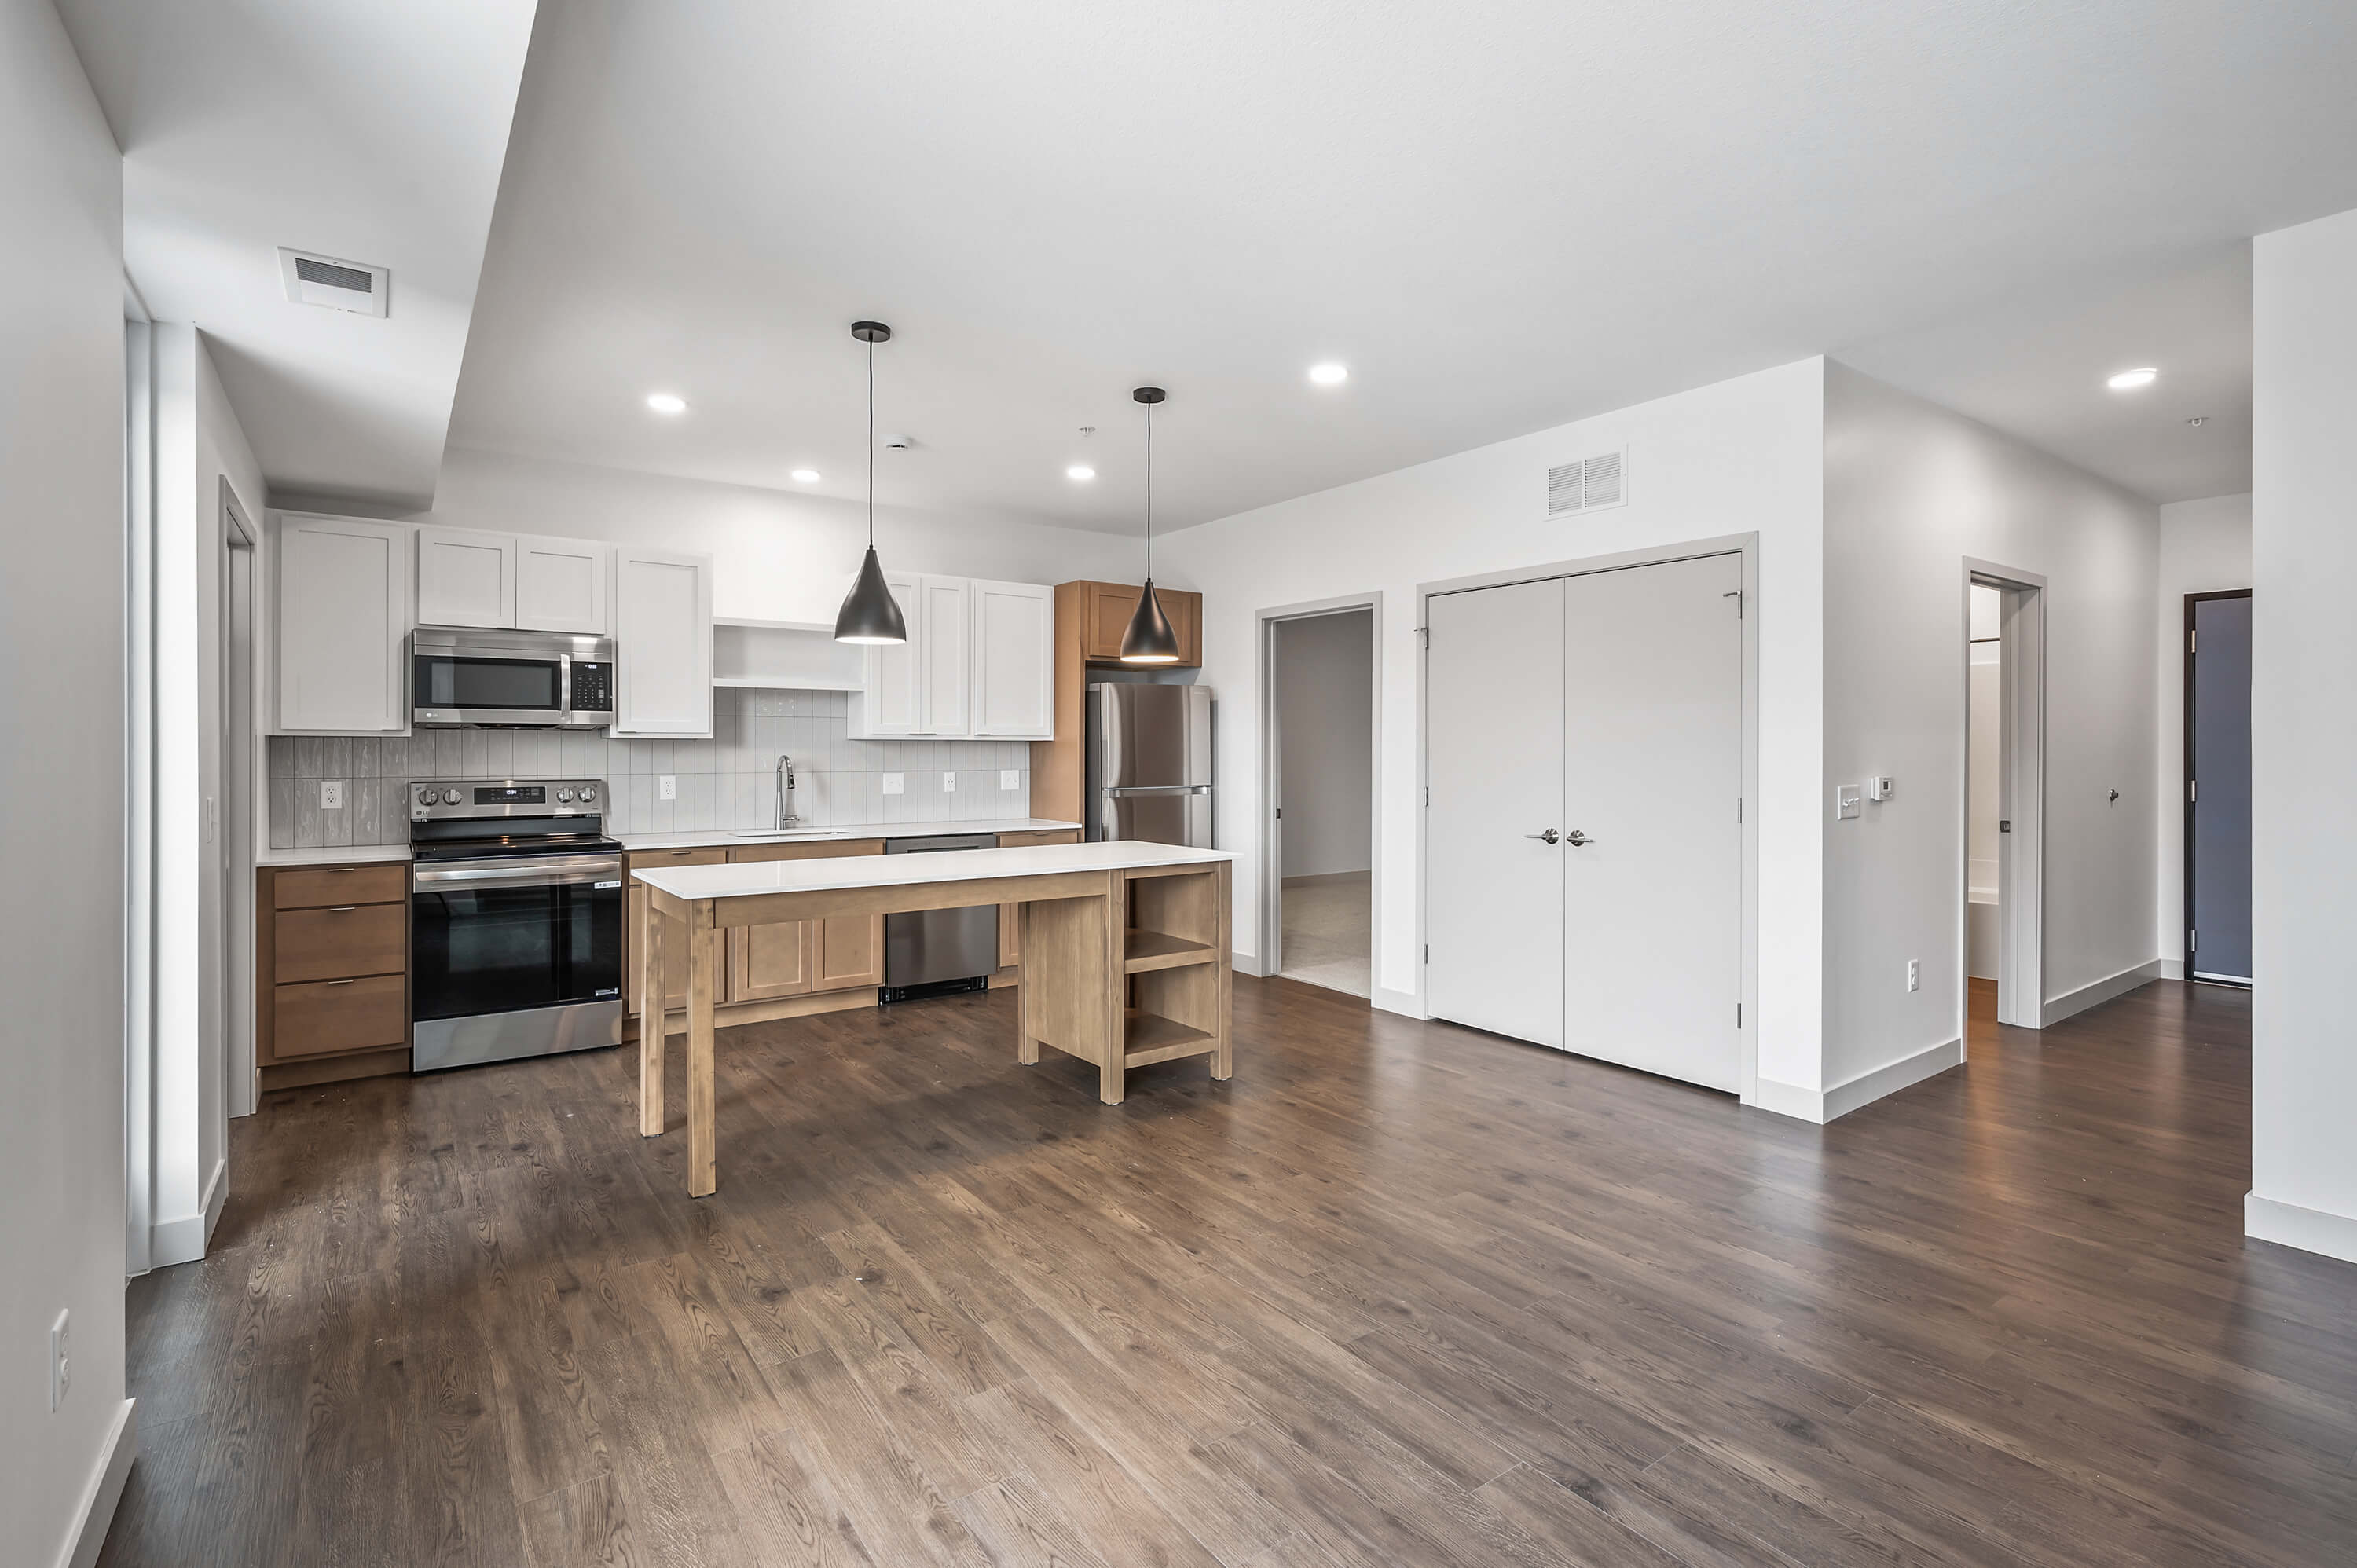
x=1150 y=639
x=868 y=612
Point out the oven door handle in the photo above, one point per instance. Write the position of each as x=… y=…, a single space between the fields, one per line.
x=568 y=874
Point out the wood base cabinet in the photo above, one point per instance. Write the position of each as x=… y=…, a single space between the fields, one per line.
x=770 y=971
x=331 y=982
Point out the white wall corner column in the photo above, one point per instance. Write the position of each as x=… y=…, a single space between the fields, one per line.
x=2303 y=747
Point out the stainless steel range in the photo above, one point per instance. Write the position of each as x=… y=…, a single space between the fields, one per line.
x=515 y=921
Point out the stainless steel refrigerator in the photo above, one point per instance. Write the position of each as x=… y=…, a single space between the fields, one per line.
x=1149 y=761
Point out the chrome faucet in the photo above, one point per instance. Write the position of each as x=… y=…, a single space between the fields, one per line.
x=786 y=818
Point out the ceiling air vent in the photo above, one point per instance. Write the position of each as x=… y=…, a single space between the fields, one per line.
x=1589 y=484
x=339 y=286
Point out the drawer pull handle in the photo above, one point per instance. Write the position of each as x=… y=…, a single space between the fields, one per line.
x=354 y=981
x=343 y=908
x=340 y=870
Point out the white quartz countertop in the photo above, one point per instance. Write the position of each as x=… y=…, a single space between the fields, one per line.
x=726 y=838
x=751 y=878
x=348 y=855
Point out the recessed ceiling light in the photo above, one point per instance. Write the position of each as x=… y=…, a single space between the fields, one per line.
x=1080 y=471
x=2128 y=380
x=806 y=476
x=1330 y=374
x=667 y=402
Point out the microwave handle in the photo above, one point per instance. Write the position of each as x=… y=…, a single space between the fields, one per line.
x=564 y=683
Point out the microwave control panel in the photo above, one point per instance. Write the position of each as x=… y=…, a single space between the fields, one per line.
x=593 y=688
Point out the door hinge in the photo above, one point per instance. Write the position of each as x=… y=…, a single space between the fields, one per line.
x=1738 y=1014
x=2193 y=791
x=2192 y=642
x=1280 y=813
x=2005 y=826
x=1428 y=794
x=2193 y=941
x=1427 y=953
x=1738 y=808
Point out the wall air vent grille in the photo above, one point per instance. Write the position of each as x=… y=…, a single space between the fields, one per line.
x=354 y=286
x=1588 y=485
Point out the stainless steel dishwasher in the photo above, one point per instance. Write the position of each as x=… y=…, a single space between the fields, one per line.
x=940 y=951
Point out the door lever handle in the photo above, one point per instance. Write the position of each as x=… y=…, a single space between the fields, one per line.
x=1550 y=836
x=1576 y=838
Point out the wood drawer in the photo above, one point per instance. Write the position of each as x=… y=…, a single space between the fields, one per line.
x=342 y=941
x=656 y=859
x=324 y=1017
x=310 y=888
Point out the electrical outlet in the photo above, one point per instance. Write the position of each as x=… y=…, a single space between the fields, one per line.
x=1010 y=778
x=893 y=784
x=666 y=786
x=948 y=783
x=331 y=794
x=60 y=1362
x=1914 y=974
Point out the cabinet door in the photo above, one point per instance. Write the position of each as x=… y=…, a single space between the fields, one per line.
x=1107 y=608
x=1186 y=613
x=342 y=590
x=944 y=691
x=466 y=578
x=662 y=643
x=890 y=705
x=1014 y=661
x=849 y=953
x=767 y=961
x=560 y=584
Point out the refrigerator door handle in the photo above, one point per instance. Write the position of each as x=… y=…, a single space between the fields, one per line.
x=1158 y=788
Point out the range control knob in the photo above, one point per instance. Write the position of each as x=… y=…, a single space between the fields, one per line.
x=426 y=797
x=563 y=795
x=589 y=792
x=450 y=797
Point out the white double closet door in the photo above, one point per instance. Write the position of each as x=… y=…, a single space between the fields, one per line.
x=1605 y=709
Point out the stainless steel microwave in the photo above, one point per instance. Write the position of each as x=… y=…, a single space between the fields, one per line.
x=464 y=679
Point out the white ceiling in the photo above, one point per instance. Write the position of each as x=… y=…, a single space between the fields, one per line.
x=368 y=131
x=1502 y=216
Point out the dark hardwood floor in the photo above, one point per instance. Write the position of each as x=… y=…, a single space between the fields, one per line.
x=1400 y=1294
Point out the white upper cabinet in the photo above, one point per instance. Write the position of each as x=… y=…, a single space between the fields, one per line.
x=893 y=701
x=466 y=578
x=523 y=582
x=942 y=688
x=979 y=663
x=662 y=643
x=560 y=584
x=342 y=586
x=1013 y=669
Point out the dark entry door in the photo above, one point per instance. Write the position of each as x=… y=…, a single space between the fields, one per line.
x=2218 y=767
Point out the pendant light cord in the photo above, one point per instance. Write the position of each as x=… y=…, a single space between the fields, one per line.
x=1149 y=493
x=871 y=443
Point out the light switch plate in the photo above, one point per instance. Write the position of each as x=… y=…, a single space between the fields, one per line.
x=892 y=783
x=1845 y=799
x=666 y=786
x=948 y=783
x=331 y=794
x=1010 y=778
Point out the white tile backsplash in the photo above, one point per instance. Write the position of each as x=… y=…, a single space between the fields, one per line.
x=726 y=782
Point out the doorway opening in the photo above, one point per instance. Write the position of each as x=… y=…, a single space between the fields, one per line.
x=1317 y=909
x=241 y=763
x=2002 y=957
x=2217 y=787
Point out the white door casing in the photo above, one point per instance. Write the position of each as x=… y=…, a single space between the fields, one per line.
x=1494 y=765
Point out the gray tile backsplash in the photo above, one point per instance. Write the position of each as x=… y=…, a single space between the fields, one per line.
x=726 y=782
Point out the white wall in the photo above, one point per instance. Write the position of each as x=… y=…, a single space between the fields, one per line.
x=1325 y=697
x=2303 y=743
x=61 y=749
x=780 y=556
x=199 y=443
x=2205 y=546
x=1912 y=489
x=1742 y=455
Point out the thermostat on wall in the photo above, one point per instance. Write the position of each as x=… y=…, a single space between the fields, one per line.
x=1878 y=788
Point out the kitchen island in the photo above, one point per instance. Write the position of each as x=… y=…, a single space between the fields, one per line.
x=1124 y=951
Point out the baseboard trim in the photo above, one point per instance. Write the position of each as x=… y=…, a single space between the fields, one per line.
x=216 y=1194
x=2071 y=1003
x=2170 y=969
x=1831 y=1104
x=184 y=1240
x=104 y=1491
x=1405 y=1002
x=2309 y=1230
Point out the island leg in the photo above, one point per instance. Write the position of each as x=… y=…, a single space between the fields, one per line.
x=1223 y=1058
x=703 y=989
x=1113 y=1000
x=1026 y=1044
x=650 y=1018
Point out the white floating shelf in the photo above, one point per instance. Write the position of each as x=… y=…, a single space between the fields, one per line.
x=784 y=655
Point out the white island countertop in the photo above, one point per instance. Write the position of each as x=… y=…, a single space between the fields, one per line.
x=753 y=878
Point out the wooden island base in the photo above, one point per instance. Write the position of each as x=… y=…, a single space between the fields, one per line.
x=1124 y=952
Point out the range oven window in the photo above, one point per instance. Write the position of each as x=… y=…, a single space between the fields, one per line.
x=500 y=950
x=445 y=681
